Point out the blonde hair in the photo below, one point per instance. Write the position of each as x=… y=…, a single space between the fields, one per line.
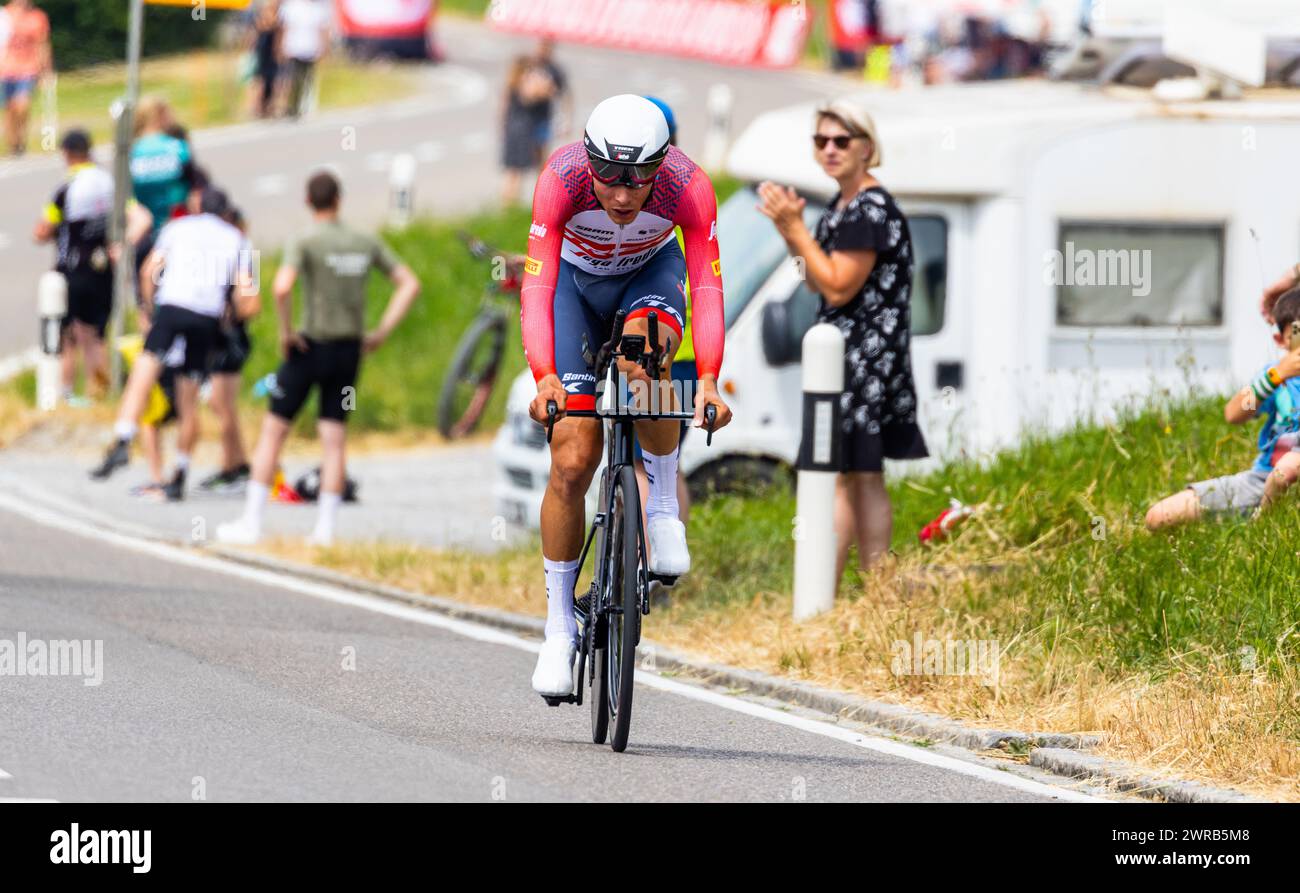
x=856 y=120
x=152 y=113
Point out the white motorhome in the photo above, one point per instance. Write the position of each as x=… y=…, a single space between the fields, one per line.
x=1078 y=249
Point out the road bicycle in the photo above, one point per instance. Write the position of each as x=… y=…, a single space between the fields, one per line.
x=472 y=375
x=609 y=613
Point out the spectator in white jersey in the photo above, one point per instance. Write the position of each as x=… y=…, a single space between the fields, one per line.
x=185 y=286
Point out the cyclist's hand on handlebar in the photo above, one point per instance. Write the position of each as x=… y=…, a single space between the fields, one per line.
x=708 y=394
x=548 y=389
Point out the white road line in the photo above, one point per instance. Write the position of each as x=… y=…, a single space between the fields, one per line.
x=378 y=162
x=475 y=142
x=270 y=184
x=4 y=775
x=480 y=633
x=5 y=241
x=430 y=152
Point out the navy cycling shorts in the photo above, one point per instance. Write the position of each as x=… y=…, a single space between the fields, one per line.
x=586 y=304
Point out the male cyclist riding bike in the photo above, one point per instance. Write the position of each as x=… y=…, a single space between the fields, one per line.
x=602 y=240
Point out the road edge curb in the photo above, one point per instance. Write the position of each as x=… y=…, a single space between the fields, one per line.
x=1057 y=753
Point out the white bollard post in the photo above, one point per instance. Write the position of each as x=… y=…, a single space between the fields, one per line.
x=819 y=453
x=717 y=136
x=52 y=304
x=401 y=192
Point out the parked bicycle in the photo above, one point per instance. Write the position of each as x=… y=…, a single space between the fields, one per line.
x=609 y=613
x=472 y=376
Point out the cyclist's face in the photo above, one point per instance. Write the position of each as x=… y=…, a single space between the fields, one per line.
x=622 y=203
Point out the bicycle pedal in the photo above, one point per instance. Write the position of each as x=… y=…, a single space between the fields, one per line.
x=557 y=700
x=666 y=580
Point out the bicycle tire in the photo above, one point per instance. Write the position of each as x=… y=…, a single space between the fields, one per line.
x=594 y=632
x=455 y=421
x=623 y=630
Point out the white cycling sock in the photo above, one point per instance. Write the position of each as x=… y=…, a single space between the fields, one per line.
x=255 y=496
x=329 y=512
x=560 y=579
x=661 y=472
x=125 y=431
x=182 y=461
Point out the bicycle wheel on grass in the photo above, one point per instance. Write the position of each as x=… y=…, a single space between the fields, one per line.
x=623 y=627
x=472 y=375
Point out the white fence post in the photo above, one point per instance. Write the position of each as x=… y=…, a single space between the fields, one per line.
x=717 y=136
x=819 y=454
x=401 y=195
x=52 y=304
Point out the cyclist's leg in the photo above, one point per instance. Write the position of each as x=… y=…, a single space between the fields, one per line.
x=575 y=449
x=660 y=287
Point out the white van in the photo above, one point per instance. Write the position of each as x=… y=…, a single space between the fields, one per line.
x=1078 y=249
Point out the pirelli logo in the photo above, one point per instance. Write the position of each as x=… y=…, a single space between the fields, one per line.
x=532 y=266
x=717 y=268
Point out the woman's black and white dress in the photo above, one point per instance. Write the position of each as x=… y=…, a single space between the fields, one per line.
x=878 y=406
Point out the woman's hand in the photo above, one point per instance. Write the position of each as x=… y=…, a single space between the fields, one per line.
x=782 y=205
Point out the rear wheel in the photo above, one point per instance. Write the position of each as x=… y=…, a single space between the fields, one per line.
x=472 y=375
x=623 y=627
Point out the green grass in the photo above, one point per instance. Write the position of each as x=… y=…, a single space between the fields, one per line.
x=1064 y=521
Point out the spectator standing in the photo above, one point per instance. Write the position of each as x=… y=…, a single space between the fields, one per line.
x=77 y=218
x=335 y=263
x=549 y=124
x=303 y=43
x=266 y=34
x=162 y=164
x=860 y=261
x=24 y=59
x=187 y=279
x=528 y=97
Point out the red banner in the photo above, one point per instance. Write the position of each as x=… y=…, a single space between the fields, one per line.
x=384 y=18
x=733 y=32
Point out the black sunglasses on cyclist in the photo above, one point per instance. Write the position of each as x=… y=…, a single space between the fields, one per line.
x=841 y=142
x=632 y=175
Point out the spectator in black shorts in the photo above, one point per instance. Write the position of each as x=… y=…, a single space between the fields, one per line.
x=335 y=263
x=77 y=220
x=226 y=375
x=186 y=279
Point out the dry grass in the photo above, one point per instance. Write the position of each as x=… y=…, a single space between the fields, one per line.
x=1221 y=727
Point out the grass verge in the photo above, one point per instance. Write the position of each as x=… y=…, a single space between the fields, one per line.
x=1180 y=649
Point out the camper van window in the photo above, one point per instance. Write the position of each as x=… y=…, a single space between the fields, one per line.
x=930 y=278
x=750 y=247
x=1126 y=274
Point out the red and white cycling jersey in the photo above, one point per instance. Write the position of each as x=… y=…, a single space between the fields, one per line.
x=570 y=224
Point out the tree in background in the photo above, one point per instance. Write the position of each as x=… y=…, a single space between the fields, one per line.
x=90 y=32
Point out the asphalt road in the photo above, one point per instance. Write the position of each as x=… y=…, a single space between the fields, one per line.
x=228 y=682
x=450 y=126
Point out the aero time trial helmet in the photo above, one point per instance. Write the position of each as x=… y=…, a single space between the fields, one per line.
x=626 y=139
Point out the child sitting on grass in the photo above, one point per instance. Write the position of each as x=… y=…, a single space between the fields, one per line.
x=1275 y=393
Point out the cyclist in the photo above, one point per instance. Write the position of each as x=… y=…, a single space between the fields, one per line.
x=602 y=241
x=683 y=371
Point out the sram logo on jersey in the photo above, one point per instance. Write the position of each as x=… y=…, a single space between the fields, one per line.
x=537 y=230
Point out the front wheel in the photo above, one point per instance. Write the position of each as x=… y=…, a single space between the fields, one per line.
x=472 y=375
x=623 y=624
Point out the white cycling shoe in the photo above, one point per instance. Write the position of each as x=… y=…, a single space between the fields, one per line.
x=554 y=673
x=667 y=540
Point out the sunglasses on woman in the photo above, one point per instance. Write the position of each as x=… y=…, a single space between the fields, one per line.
x=841 y=142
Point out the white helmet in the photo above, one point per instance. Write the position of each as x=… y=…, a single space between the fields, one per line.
x=626 y=139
